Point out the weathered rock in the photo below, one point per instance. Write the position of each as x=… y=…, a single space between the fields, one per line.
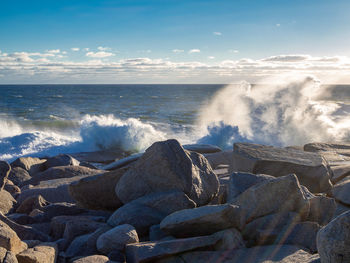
x=98 y=192
x=43 y=253
x=219 y=158
x=202 y=148
x=31 y=203
x=57 y=209
x=7 y=256
x=42 y=227
x=31 y=165
x=92 y=259
x=122 y=162
x=9 y=239
x=167 y=166
x=61 y=160
x=333 y=240
x=21 y=219
x=116 y=239
x=152 y=251
x=204 y=220
x=310 y=168
x=150 y=210
x=18 y=176
x=155 y=233
x=341 y=191
x=92 y=240
x=282 y=194
x=61 y=172
x=5 y=169
x=79 y=247
x=340 y=172
x=340 y=209
x=12 y=188
x=239 y=182
x=6 y=201
x=343 y=148
x=322 y=209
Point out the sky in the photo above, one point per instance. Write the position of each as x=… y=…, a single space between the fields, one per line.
x=172 y=41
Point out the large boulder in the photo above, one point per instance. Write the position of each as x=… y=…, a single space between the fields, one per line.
x=341 y=191
x=18 y=176
x=339 y=148
x=204 y=220
x=219 y=158
x=167 y=166
x=61 y=160
x=150 y=210
x=5 y=169
x=281 y=194
x=31 y=203
x=42 y=253
x=9 y=239
x=310 y=168
x=340 y=172
x=6 y=201
x=333 y=240
x=322 y=209
x=98 y=191
x=116 y=239
x=30 y=164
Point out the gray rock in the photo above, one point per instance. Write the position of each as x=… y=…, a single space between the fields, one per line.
x=14 y=190
x=43 y=253
x=219 y=158
x=93 y=259
x=341 y=191
x=339 y=172
x=98 y=192
x=322 y=209
x=155 y=233
x=61 y=160
x=6 y=202
x=21 y=219
x=310 y=168
x=9 y=239
x=340 y=209
x=167 y=166
x=57 y=209
x=116 y=239
x=31 y=203
x=18 y=176
x=343 y=148
x=333 y=240
x=150 y=210
x=9 y=257
x=78 y=247
x=122 y=162
x=31 y=165
x=282 y=194
x=239 y=182
x=202 y=148
x=203 y=220
x=5 y=169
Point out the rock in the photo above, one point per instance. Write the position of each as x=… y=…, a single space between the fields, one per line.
x=61 y=160
x=310 y=168
x=9 y=239
x=31 y=203
x=11 y=188
x=202 y=148
x=282 y=194
x=155 y=233
x=98 y=192
x=5 y=169
x=150 y=210
x=343 y=149
x=43 y=253
x=122 y=162
x=61 y=172
x=341 y=191
x=54 y=191
x=239 y=182
x=42 y=227
x=219 y=158
x=31 y=165
x=340 y=209
x=262 y=254
x=6 y=201
x=322 y=209
x=116 y=256
x=116 y=239
x=333 y=240
x=8 y=257
x=57 y=209
x=92 y=259
x=339 y=172
x=167 y=166
x=79 y=247
x=92 y=240
x=21 y=219
x=18 y=176
x=204 y=220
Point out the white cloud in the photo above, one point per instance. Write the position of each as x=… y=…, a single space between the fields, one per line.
x=234 y=51
x=64 y=52
x=195 y=50
x=211 y=57
x=75 y=49
x=178 y=50
x=100 y=54
x=54 y=51
x=104 y=48
x=278 y=25
x=217 y=33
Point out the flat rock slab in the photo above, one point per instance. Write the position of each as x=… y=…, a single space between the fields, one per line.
x=340 y=148
x=340 y=172
x=202 y=148
x=310 y=168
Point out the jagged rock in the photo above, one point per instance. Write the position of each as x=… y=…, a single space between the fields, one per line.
x=204 y=220
x=116 y=239
x=282 y=194
x=343 y=148
x=6 y=201
x=341 y=191
x=167 y=166
x=18 y=176
x=93 y=259
x=61 y=172
x=152 y=251
x=5 y=169
x=7 y=256
x=31 y=165
x=239 y=182
x=202 y=148
x=340 y=172
x=310 y=168
x=98 y=191
x=322 y=209
x=219 y=158
x=150 y=210
x=31 y=203
x=43 y=253
x=12 y=188
x=61 y=160
x=333 y=240
x=9 y=239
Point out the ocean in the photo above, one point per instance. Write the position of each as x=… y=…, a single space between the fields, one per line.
x=45 y=120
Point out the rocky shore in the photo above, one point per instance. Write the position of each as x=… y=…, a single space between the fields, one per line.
x=176 y=204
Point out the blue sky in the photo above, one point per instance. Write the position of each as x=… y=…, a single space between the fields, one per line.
x=169 y=41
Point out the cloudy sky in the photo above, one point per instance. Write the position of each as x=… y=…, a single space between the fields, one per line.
x=173 y=41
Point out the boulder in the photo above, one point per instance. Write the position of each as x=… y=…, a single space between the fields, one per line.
x=93 y=259
x=167 y=166
x=18 y=176
x=340 y=209
x=98 y=191
x=5 y=169
x=202 y=148
x=339 y=148
x=333 y=240
x=79 y=247
x=31 y=165
x=281 y=194
x=239 y=182
x=7 y=256
x=152 y=251
x=219 y=158
x=339 y=172
x=57 y=209
x=13 y=189
x=31 y=203
x=61 y=172
x=155 y=233
x=310 y=168
x=204 y=220
x=61 y=160
x=322 y=209
x=122 y=162
x=21 y=219
x=116 y=239
x=6 y=201
x=9 y=239
x=43 y=253
x=341 y=191
x=103 y=156
x=150 y=210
